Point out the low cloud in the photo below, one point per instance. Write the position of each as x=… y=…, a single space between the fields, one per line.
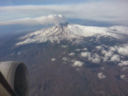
x=53 y=59
x=102 y=53
x=101 y=75
x=96 y=59
x=65 y=59
x=107 y=53
x=123 y=63
x=115 y=58
x=77 y=63
x=123 y=76
x=71 y=54
x=85 y=54
x=123 y=50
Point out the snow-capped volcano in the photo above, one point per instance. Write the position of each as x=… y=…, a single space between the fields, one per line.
x=64 y=31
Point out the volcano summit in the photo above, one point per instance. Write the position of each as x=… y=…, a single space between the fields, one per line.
x=62 y=30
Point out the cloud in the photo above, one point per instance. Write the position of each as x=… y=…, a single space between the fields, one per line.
x=21 y=2
x=98 y=11
x=84 y=49
x=99 y=47
x=96 y=58
x=44 y=20
x=123 y=63
x=65 y=59
x=120 y=49
x=123 y=76
x=101 y=75
x=115 y=58
x=78 y=50
x=119 y=29
x=71 y=54
x=64 y=46
x=107 y=54
x=77 y=63
x=85 y=54
x=53 y=59
x=123 y=50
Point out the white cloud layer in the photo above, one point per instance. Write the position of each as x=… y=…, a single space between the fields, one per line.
x=108 y=11
x=103 y=54
x=44 y=20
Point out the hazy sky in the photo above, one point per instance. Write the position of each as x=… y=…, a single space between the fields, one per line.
x=112 y=11
x=41 y=2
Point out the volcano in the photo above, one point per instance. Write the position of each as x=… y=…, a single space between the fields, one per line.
x=66 y=59
x=62 y=30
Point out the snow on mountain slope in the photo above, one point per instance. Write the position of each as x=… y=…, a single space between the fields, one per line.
x=64 y=31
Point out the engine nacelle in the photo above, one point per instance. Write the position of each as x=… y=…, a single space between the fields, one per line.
x=13 y=79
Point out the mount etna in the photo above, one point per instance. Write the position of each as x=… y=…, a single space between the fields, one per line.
x=66 y=59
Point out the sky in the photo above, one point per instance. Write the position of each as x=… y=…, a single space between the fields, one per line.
x=40 y=2
x=112 y=11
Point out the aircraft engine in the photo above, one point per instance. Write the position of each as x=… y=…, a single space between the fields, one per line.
x=13 y=79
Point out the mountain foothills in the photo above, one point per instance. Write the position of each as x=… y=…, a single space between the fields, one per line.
x=72 y=60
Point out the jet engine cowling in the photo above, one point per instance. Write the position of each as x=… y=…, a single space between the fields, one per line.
x=13 y=79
